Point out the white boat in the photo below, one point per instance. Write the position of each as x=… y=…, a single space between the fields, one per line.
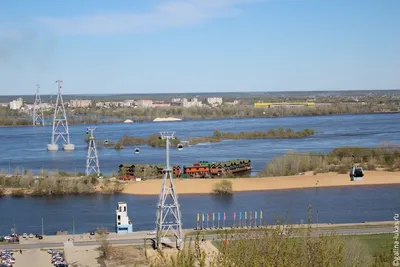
x=166 y=119
x=128 y=121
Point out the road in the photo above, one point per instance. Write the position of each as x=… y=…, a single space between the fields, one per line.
x=139 y=239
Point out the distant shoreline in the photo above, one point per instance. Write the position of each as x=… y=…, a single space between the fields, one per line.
x=322 y=180
x=218 y=118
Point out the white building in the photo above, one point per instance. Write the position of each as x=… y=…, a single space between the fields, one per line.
x=16 y=104
x=80 y=103
x=122 y=222
x=194 y=102
x=214 y=101
x=144 y=103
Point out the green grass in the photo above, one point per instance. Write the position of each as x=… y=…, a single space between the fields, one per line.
x=377 y=243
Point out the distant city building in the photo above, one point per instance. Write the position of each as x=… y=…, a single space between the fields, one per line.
x=144 y=103
x=160 y=104
x=80 y=103
x=214 y=101
x=129 y=103
x=194 y=102
x=16 y=104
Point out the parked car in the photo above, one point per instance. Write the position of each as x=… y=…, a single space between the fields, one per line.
x=25 y=235
x=30 y=235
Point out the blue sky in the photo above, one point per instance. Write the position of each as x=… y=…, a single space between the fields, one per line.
x=170 y=46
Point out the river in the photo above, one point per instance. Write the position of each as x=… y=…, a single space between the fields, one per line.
x=25 y=147
x=86 y=213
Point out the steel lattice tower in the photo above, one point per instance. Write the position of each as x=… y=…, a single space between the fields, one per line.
x=60 y=124
x=92 y=160
x=168 y=211
x=37 y=112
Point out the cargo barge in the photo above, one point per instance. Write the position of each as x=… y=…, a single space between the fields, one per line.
x=201 y=169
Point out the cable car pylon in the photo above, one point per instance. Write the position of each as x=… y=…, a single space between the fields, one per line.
x=60 y=125
x=37 y=110
x=92 y=160
x=169 y=218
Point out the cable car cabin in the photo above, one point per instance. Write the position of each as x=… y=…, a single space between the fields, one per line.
x=137 y=150
x=356 y=173
x=180 y=147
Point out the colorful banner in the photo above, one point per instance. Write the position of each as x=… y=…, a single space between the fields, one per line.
x=224 y=216
x=255 y=215
x=251 y=215
x=203 y=216
x=208 y=217
x=240 y=215
x=245 y=215
x=219 y=216
x=260 y=214
x=213 y=216
x=198 y=217
x=234 y=215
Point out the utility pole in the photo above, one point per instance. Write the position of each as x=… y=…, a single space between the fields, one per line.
x=42 y=228
x=168 y=210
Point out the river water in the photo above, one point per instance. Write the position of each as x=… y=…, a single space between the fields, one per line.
x=334 y=205
x=25 y=147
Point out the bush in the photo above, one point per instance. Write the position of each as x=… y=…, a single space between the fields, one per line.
x=224 y=187
x=18 y=193
x=2 y=192
x=338 y=160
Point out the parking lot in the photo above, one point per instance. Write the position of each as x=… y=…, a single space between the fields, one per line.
x=32 y=258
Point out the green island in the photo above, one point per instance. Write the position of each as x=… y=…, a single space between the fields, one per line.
x=385 y=157
x=218 y=136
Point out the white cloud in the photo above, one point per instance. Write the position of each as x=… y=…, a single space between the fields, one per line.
x=166 y=15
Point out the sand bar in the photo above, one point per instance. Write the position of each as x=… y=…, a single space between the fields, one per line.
x=205 y=186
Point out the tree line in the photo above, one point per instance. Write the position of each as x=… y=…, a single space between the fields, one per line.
x=97 y=115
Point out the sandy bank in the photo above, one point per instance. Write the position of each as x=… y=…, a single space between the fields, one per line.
x=205 y=186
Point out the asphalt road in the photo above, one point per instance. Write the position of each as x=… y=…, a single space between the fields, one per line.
x=139 y=240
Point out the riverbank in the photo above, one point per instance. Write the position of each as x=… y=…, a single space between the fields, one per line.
x=308 y=180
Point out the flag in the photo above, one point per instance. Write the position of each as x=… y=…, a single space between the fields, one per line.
x=240 y=215
x=219 y=216
x=213 y=216
x=251 y=215
x=208 y=217
x=202 y=216
x=260 y=214
x=198 y=217
x=255 y=215
x=245 y=215
x=234 y=215
x=224 y=216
